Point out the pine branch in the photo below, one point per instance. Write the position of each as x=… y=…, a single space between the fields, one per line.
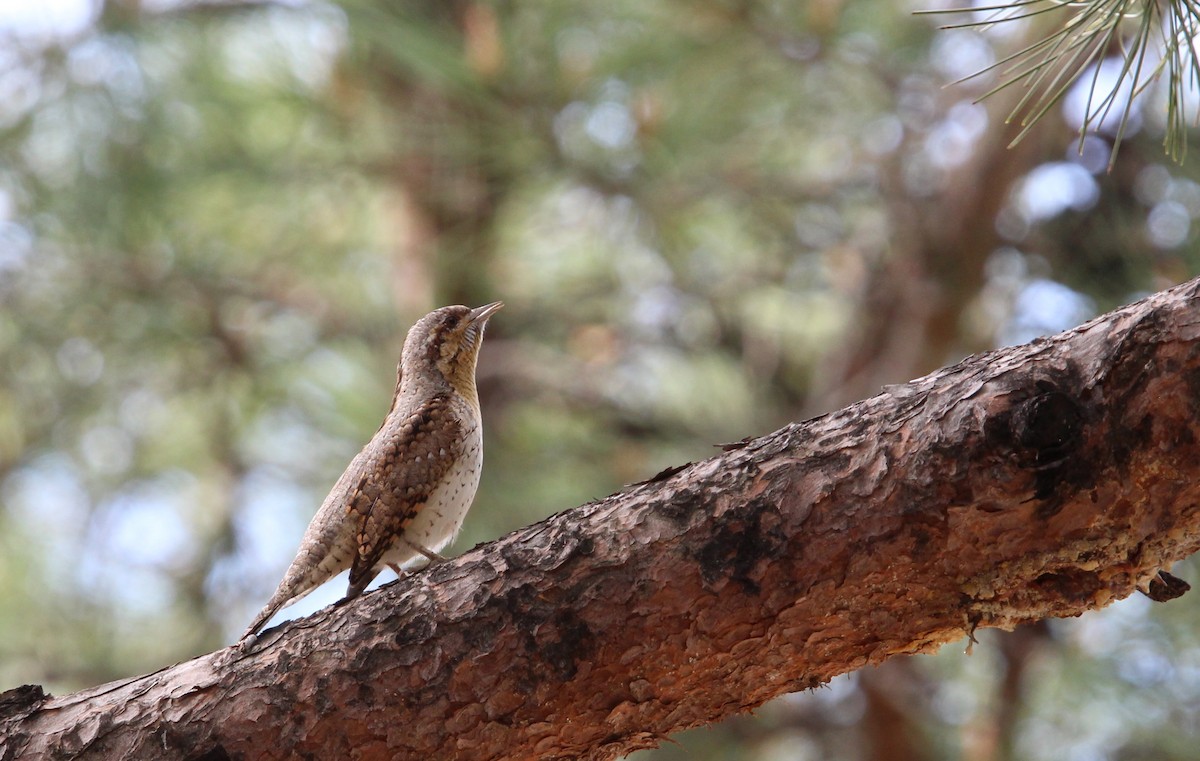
x=1031 y=482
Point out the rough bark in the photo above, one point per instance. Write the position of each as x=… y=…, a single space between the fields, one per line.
x=1036 y=481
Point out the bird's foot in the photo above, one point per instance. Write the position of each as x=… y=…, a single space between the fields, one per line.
x=433 y=557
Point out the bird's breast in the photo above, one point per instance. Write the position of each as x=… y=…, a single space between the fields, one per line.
x=438 y=522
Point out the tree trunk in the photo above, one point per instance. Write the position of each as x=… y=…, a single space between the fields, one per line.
x=1036 y=481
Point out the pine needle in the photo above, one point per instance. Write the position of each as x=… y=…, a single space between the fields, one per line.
x=1148 y=38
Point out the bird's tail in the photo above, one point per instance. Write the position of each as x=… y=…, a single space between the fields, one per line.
x=277 y=601
x=296 y=584
x=325 y=551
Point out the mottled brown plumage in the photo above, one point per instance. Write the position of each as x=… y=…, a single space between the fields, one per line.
x=406 y=493
x=424 y=449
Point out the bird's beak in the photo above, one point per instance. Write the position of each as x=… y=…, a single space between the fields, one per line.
x=480 y=315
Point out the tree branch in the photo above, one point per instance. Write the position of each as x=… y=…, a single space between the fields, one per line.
x=1035 y=481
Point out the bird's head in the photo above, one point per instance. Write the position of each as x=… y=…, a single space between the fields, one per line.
x=443 y=347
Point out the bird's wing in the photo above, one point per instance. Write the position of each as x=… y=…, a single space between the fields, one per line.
x=412 y=460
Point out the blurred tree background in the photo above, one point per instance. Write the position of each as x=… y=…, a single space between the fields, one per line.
x=707 y=218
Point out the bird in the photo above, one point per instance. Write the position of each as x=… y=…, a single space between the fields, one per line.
x=405 y=495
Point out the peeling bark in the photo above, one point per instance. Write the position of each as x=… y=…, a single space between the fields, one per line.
x=1036 y=481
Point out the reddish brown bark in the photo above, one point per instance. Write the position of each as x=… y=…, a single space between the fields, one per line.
x=1037 y=481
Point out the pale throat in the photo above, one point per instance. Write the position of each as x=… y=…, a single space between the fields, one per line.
x=461 y=376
